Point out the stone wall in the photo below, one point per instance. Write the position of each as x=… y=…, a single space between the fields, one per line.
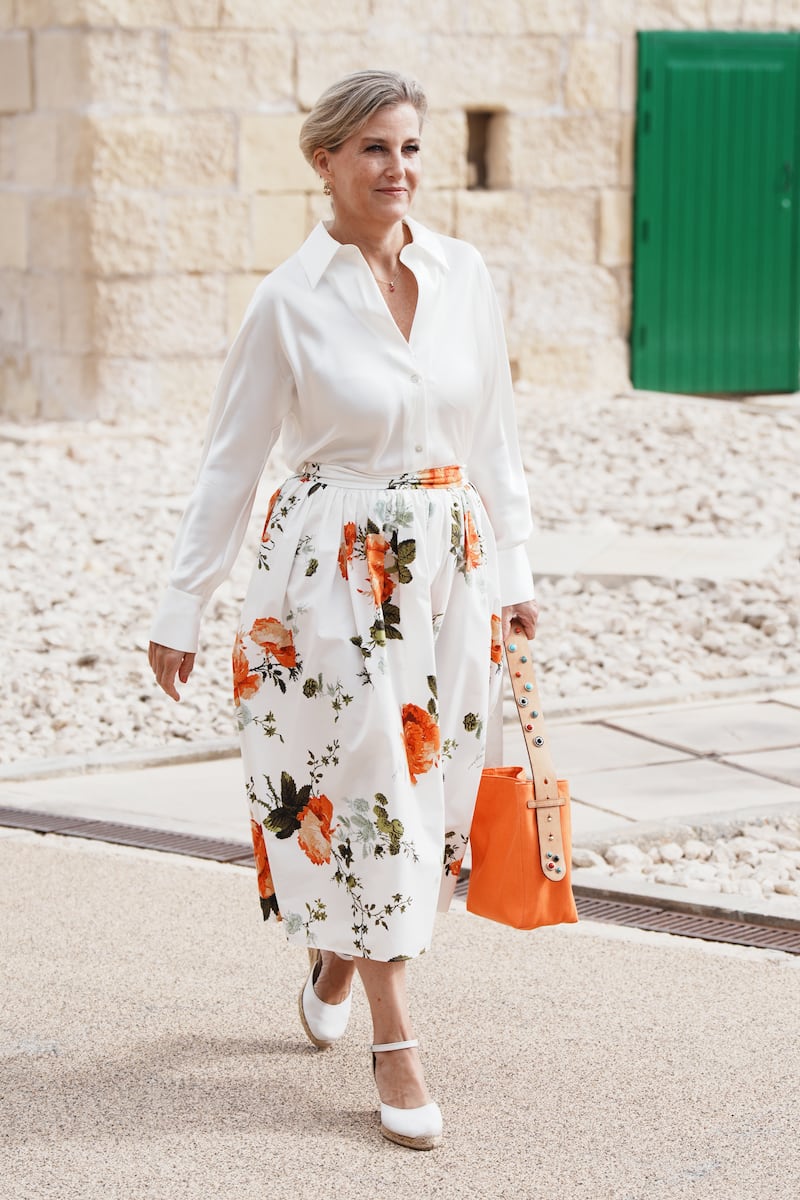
x=149 y=174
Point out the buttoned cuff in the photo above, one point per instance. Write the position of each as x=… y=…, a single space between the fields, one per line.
x=516 y=579
x=177 y=622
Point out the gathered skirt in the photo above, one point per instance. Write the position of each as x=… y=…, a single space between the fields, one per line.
x=366 y=662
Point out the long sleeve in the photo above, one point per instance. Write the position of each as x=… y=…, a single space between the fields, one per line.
x=254 y=393
x=495 y=463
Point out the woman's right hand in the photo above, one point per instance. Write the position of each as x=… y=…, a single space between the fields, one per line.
x=166 y=664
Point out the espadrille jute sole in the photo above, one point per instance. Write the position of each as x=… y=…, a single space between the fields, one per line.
x=429 y=1142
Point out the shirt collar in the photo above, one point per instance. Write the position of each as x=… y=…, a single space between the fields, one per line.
x=319 y=249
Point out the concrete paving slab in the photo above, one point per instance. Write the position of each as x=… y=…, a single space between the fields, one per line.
x=792 y=697
x=150 y=1047
x=719 y=728
x=779 y=764
x=206 y=798
x=590 y=823
x=662 y=556
x=695 y=787
x=581 y=747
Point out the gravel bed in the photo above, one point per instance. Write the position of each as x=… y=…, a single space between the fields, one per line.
x=89 y=511
x=756 y=859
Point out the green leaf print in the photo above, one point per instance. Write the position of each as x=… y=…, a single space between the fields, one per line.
x=432 y=686
x=406 y=552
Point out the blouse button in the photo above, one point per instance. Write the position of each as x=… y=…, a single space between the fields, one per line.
x=416 y=379
x=418 y=448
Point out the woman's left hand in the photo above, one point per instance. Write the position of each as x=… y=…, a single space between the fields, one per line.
x=525 y=615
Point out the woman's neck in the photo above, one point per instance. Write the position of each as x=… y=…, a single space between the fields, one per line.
x=380 y=247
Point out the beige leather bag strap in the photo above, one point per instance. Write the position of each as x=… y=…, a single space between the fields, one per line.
x=546 y=799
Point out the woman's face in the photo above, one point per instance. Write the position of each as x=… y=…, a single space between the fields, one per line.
x=375 y=173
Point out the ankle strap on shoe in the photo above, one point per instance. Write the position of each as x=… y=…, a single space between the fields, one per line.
x=394 y=1046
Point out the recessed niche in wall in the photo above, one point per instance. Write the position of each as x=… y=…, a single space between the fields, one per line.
x=487 y=137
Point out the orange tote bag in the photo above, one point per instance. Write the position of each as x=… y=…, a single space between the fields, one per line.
x=521 y=838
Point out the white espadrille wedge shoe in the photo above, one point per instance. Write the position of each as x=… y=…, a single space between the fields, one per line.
x=323 y=1023
x=418 y=1128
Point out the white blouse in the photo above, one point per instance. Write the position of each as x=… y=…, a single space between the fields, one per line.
x=320 y=359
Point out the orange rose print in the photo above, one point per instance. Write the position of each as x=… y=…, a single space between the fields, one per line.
x=375 y=548
x=274 y=639
x=497 y=639
x=245 y=684
x=346 y=548
x=472 y=544
x=422 y=739
x=270 y=506
x=455 y=867
x=265 y=885
x=315 y=829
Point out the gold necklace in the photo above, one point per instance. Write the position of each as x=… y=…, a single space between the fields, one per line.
x=391 y=282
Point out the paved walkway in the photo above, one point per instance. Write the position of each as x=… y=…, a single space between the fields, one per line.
x=704 y=761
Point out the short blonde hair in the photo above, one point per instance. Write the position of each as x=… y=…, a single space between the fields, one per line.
x=345 y=106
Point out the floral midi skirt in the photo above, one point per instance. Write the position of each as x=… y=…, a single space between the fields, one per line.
x=367 y=659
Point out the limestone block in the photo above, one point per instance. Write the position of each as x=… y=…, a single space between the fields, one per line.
x=66 y=386
x=299 y=16
x=61 y=65
x=42 y=312
x=15 y=73
x=444 y=150
x=279 y=227
x=627 y=140
x=229 y=70
x=130 y=151
x=757 y=14
x=628 y=80
x=14 y=229
x=593 y=75
x=126 y=69
x=18 y=396
x=125 y=387
x=671 y=14
x=515 y=73
x=125 y=237
x=38 y=14
x=76 y=297
x=200 y=150
x=139 y=14
x=616 y=222
x=74 y=151
x=269 y=156
x=492 y=220
x=59 y=233
x=322 y=58
x=7 y=148
x=574 y=304
x=240 y=293
x=559 y=366
x=7 y=14
x=724 y=13
x=186 y=385
x=36 y=150
x=615 y=16
x=318 y=208
x=12 y=292
x=562 y=229
x=787 y=14
x=167 y=314
x=567 y=151
x=436 y=210
x=611 y=366
x=553 y=16
x=207 y=233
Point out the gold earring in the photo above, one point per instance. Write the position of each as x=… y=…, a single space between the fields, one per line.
x=326 y=188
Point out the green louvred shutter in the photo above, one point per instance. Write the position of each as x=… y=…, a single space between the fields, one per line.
x=716 y=266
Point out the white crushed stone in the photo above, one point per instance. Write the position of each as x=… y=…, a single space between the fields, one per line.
x=758 y=858
x=88 y=513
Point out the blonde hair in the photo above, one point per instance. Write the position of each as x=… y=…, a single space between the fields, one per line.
x=345 y=106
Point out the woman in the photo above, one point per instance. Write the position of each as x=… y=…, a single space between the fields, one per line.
x=368 y=654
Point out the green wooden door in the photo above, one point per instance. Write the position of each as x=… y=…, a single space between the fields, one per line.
x=716 y=265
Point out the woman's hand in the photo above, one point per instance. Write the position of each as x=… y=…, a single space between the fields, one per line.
x=525 y=615
x=166 y=663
